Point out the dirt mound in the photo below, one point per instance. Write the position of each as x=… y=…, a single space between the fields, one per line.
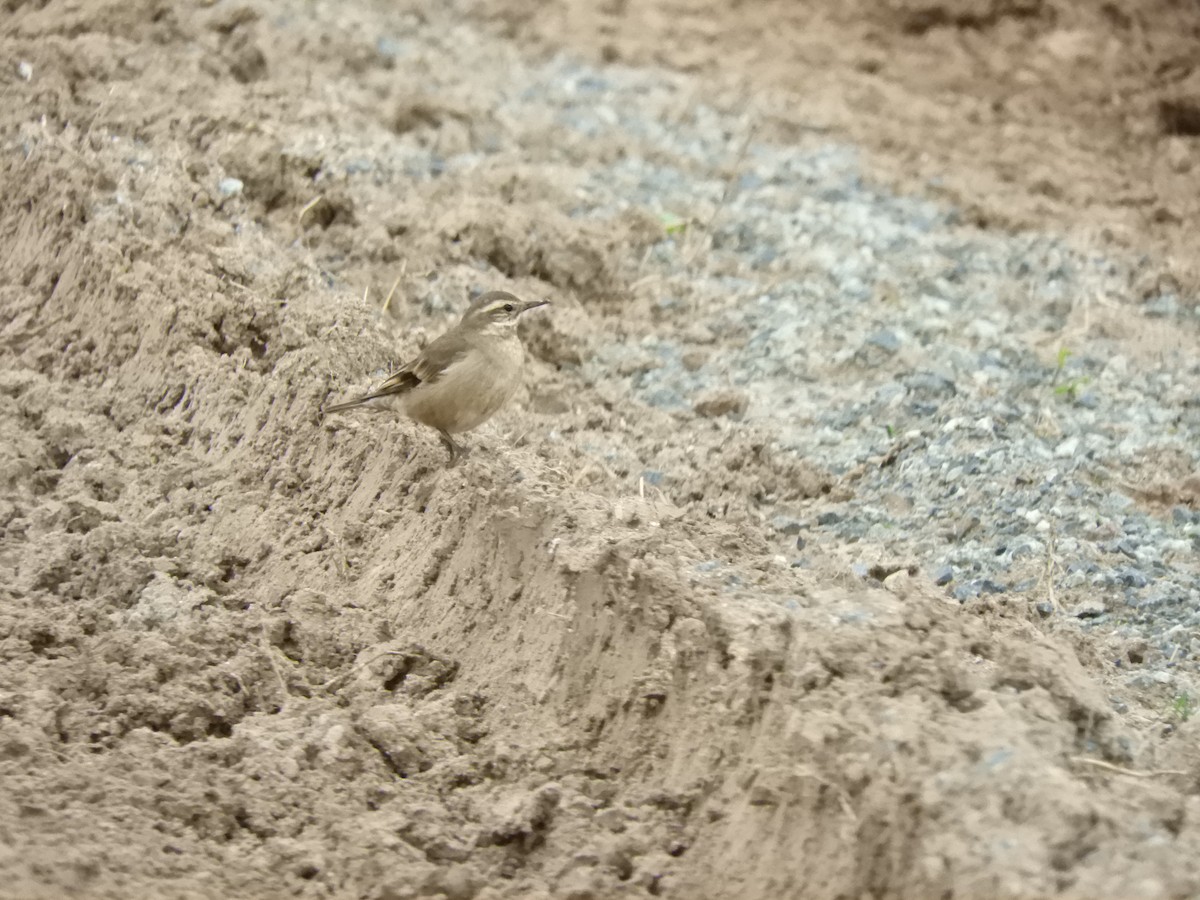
x=246 y=651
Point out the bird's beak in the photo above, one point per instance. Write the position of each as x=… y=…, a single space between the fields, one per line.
x=534 y=304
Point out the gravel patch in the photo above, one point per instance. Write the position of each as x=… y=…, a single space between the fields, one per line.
x=941 y=367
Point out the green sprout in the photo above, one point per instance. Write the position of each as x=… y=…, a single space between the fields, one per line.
x=1063 y=355
x=1070 y=388
x=1183 y=706
x=672 y=224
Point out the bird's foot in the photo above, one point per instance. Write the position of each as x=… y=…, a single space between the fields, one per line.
x=457 y=451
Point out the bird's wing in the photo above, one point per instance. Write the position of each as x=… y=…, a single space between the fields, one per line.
x=435 y=359
x=426 y=368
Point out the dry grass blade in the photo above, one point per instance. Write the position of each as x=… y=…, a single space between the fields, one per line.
x=1132 y=773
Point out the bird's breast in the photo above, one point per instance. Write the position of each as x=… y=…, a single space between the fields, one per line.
x=472 y=389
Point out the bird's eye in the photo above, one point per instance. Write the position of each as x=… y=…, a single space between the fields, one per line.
x=508 y=307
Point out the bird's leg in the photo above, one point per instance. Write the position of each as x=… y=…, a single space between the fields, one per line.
x=456 y=450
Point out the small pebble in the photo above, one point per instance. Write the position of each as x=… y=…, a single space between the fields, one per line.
x=1161 y=307
x=787 y=525
x=1132 y=577
x=884 y=340
x=722 y=403
x=965 y=592
x=1089 y=609
x=928 y=385
x=1067 y=448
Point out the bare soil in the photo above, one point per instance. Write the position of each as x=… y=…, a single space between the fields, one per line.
x=246 y=651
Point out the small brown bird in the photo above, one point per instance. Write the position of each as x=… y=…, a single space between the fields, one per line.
x=464 y=377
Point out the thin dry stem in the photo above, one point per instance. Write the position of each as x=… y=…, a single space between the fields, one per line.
x=1132 y=773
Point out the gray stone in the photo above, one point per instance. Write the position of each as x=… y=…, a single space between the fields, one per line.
x=1161 y=307
x=787 y=525
x=927 y=385
x=965 y=592
x=722 y=403
x=1091 y=608
x=885 y=340
x=1131 y=577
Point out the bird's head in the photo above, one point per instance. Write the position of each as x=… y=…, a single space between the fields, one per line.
x=497 y=311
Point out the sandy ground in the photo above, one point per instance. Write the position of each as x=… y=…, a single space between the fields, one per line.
x=246 y=651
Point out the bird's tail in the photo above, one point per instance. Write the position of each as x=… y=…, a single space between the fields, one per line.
x=400 y=383
x=357 y=401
